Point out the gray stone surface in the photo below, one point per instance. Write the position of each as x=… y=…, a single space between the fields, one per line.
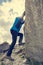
x=34 y=29
x=17 y=54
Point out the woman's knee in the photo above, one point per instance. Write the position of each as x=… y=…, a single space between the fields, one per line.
x=21 y=35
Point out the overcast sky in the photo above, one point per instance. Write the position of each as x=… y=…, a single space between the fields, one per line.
x=9 y=9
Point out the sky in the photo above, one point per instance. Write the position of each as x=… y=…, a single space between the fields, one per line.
x=9 y=10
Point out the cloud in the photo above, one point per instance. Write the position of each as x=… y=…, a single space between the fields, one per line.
x=1 y=1
x=5 y=36
x=1 y=13
x=4 y=23
x=4 y=31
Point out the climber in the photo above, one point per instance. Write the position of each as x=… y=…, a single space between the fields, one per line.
x=19 y=21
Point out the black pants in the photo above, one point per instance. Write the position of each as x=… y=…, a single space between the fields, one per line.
x=14 y=38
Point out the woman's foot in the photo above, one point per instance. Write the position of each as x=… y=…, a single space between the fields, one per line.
x=20 y=44
x=8 y=57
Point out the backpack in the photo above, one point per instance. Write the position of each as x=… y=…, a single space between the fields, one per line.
x=19 y=23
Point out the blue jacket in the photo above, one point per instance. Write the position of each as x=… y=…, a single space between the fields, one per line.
x=17 y=24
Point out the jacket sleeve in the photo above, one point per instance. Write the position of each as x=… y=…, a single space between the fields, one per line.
x=23 y=22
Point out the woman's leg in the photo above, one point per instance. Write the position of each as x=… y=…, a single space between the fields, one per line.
x=21 y=37
x=14 y=37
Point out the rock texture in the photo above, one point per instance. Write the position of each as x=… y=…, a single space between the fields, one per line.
x=4 y=47
x=34 y=29
x=18 y=54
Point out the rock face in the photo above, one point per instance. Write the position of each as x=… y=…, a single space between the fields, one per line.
x=34 y=29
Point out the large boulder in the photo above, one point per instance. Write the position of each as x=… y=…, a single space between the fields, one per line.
x=34 y=29
x=4 y=47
